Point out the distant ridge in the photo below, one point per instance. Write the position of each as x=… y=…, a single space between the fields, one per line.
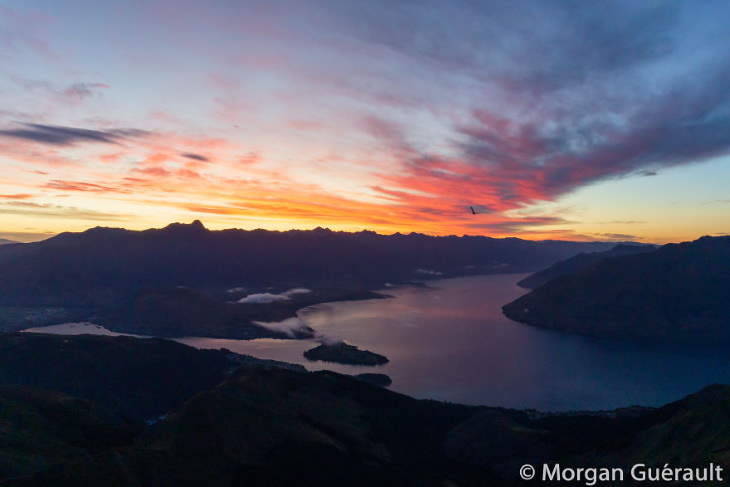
x=677 y=293
x=580 y=262
x=4 y=241
x=104 y=264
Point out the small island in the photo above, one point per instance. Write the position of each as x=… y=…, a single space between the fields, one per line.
x=343 y=353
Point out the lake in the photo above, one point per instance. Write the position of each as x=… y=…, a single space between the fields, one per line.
x=451 y=342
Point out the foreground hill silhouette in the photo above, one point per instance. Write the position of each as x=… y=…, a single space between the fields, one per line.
x=266 y=425
x=130 y=378
x=678 y=293
x=130 y=280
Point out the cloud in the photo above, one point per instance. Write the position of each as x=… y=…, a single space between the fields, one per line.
x=392 y=118
x=264 y=298
x=195 y=157
x=543 y=44
x=250 y=158
x=503 y=164
x=80 y=91
x=616 y=236
x=214 y=210
x=527 y=162
x=480 y=209
x=297 y=290
x=326 y=339
x=568 y=93
x=83 y=187
x=297 y=328
x=292 y=327
x=28 y=208
x=75 y=92
x=49 y=134
x=19 y=31
x=16 y=196
x=62 y=136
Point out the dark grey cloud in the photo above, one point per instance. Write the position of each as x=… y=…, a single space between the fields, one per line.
x=564 y=92
x=49 y=134
x=128 y=132
x=539 y=44
x=577 y=42
x=59 y=135
x=29 y=208
x=195 y=157
x=555 y=154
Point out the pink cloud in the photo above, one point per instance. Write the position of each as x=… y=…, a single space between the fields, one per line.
x=82 y=187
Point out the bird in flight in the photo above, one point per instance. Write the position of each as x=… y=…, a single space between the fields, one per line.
x=472 y=210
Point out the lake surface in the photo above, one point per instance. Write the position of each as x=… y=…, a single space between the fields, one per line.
x=451 y=342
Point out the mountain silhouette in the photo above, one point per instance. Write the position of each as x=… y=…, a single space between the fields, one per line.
x=678 y=292
x=580 y=262
x=126 y=275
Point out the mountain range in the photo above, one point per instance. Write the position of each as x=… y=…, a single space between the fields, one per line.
x=118 y=411
x=677 y=293
x=131 y=280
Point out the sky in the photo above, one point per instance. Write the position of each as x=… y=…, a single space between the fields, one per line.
x=572 y=119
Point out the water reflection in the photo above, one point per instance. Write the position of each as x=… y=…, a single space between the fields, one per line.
x=451 y=342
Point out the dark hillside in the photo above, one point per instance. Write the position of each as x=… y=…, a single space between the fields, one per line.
x=678 y=293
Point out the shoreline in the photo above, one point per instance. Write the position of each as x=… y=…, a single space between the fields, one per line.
x=117 y=317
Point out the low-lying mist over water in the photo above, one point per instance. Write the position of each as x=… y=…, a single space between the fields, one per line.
x=451 y=342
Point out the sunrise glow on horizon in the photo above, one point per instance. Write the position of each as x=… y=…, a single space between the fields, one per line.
x=572 y=120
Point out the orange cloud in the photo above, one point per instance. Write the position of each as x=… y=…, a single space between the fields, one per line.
x=23 y=196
